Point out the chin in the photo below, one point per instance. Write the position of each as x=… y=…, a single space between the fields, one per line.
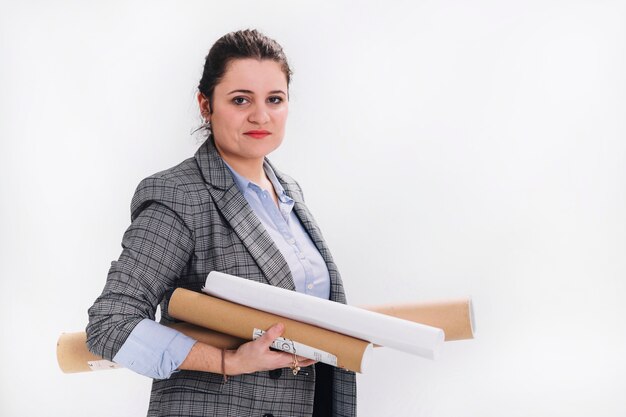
x=266 y=148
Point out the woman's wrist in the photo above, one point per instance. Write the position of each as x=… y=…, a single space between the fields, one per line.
x=231 y=363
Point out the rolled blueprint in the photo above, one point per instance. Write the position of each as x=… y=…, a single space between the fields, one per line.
x=74 y=356
x=245 y=322
x=392 y=332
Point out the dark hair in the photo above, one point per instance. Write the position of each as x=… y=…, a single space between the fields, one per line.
x=247 y=43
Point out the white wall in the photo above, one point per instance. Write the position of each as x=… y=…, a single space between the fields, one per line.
x=447 y=148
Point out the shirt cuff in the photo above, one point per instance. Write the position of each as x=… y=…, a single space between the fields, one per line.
x=154 y=350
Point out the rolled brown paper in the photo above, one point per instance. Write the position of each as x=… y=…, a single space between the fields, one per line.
x=74 y=356
x=240 y=321
x=454 y=316
x=208 y=336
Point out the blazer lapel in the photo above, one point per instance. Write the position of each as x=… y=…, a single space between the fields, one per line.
x=336 y=286
x=235 y=209
x=308 y=222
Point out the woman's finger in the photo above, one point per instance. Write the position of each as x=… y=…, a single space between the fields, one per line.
x=306 y=362
x=302 y=359
x=271 y=334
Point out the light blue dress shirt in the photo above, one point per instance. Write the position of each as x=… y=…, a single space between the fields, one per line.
x=157 y=351
x=308 y=269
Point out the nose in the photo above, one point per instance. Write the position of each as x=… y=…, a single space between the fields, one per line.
x=259 y=114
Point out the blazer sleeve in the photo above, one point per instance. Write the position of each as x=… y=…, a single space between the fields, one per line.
x=156 y=248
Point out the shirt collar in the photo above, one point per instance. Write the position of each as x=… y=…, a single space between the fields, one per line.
x=243 y=183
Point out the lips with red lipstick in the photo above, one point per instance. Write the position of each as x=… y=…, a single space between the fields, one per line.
x=257 y=134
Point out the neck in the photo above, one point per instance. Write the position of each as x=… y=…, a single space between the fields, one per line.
x=251 y=169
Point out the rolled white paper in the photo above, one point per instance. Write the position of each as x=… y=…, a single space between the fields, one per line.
x=380 y=329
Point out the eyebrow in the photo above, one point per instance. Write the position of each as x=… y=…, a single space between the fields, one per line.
x=252 y=92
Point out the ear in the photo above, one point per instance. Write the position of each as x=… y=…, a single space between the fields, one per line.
x=204 y=105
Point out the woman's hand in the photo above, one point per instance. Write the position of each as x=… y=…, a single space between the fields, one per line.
x=256 y=355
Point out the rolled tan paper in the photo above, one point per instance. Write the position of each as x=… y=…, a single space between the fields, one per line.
x=454 y=316
x=241 y=321
x=208 y=336
x=74 y=356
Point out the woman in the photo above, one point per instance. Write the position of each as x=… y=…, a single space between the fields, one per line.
x=227 y=209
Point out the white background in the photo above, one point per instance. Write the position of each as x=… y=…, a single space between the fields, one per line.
x=446 y=148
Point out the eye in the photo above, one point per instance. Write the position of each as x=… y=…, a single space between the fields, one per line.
x=240 y=100
x=275 y=99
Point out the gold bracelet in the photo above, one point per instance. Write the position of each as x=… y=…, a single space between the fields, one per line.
x=224 y=365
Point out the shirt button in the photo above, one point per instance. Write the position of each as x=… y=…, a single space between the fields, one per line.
x=291 y=241
x=301 y=255
x=310 y=286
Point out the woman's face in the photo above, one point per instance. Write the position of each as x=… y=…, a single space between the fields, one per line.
x=249 y=110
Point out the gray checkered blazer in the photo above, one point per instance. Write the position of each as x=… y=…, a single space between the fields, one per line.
x=187 y=221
